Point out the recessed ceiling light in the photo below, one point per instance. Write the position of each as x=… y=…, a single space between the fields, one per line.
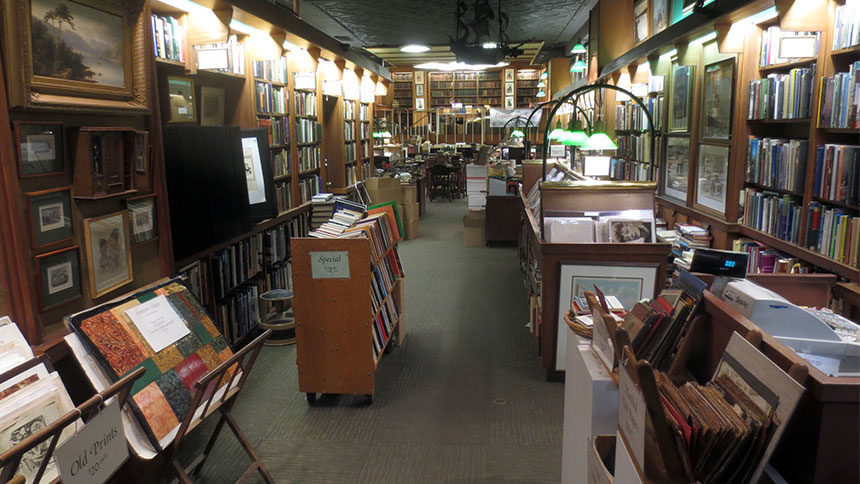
x=414 y=48
x=489 y=45
x=457 y=66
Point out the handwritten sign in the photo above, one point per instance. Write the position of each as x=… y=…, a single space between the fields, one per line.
x=158 y=322
x=631 y=414
x=330 y=265
x=96 y=452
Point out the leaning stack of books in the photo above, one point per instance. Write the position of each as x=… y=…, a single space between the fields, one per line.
x=688 y=239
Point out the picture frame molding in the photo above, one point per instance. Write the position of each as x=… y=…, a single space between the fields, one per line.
x=195 y=115
x=704 y=107
x=31 y=214
x=94 y=292
x=58 y=148
x=128 y=203
x=690 y=79
x=701 y=147
x=39 y=281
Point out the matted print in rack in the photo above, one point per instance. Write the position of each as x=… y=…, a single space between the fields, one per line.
x=718 y=94
x=108 y=252
x=676 y=175
x=712 y=172
x=59 y=277
x=40 y=148
x=50 y=217
x=681 y=96
x=76 y=55
x=143 y=219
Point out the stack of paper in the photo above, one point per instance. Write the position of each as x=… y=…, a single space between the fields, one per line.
x=569 y=229
x=476 y=186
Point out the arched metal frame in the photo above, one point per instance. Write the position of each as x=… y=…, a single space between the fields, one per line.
x=593 y=87
x=549 y=120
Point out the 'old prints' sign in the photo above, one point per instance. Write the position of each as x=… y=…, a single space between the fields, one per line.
x=330 y=265
x=96 y=452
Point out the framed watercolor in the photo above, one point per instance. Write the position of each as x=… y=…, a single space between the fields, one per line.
x=108 y=252
x=640 y=21
x=142 y=216
x=58 y=49
x=181 y=98
x=50 y=217
x=59 y=277
x=676 y=173
x=679 y=102
x=659 y=15
x=712 y=170
x=719 y=82
x=211 y=106
x=41 y=149
x=628 y=282
x=419 y=77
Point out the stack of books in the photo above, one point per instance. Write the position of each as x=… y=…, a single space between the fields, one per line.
x=688 y=239
x=476 y=186
x=322 y=208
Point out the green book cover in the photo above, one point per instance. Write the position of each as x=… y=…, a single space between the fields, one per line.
x=396 y=215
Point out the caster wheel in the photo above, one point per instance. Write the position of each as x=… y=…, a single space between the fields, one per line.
x=312 y=398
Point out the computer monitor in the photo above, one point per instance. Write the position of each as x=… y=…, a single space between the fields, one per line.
x=596 y=166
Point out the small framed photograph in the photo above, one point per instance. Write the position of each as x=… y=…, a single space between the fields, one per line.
x=419 y=77
x=798 y=47
x=211 y=106
x=59 y=277
x=142 y=216
x=419 y=104
x=509 y=102
x=679 y=103
x=419 y=90
x=181 y=94
x=659 y=15
x=509 y=89
x=40 y=149
x=718 y=93
x=677 y=167
x=509 y=75
x=640 y=21
x=141 y=152
x=108 y=252
x=631 y=231
x=50 y=217
x=212 y=58
x=712 y=172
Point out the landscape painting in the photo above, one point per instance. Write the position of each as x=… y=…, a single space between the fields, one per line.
x=77 y=42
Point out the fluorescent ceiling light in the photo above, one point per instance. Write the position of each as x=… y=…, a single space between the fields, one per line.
x=704 y=38
x=758 y=18
x=414 y=48
x=670 y=54
x=457 y=66
x=489 y=45
x=244 y=28
x=185 y=5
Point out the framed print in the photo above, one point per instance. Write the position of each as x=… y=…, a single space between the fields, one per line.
x=419 y=90
x=718 y=93
x=50 y=217
x=76 y=55
x=628 y=282
x=211 y=106
x=140 y=145
x=640 y=21
x=712 y=171
x=509 y=89
x=419 y=104
x=509 y=75
x=509 y=102
x=258 y=174
x=108 y=250
x=677 y=167
x=659 y=15
x=59 y=274
x=679 y=103
x=181 y=95
x=41 y=149
x=143 y=219
x=212 y=58
x=419 y=77
x=631 y=231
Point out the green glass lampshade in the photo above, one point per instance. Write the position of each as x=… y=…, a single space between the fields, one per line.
x=577 y=138
x=578 y=66
x=377 y=134
x=599 y=141
x=578 y=48
x=541 y=84
x=517 y=133
x=544 y=75
x=541 y=93
x=557 y=132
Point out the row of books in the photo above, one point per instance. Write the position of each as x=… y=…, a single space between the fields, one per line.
x=235 y=55
x=634 y=146
x=365 y=149
x=846 y=27
x=629 y=170
x=349 y=151
x=363 y=112
x=281 y=161
x=308 y=187
x=782 y=96
x=840 y=106
x=168 y=38
x=773 y=213
x=283 y=197
x=384 y=276
x=764 y=260
x=236 y=264
x=280 y=277
x=277 y=240
x=833 y=233
x=308 y=130
x=837 y=173
x=656 y=327
x=351 y=174
x=349 y=110
x=777 y=163
x=306 y=103
x=364 y=129
x=309 y=158
x=349 y=131
x=385 y=320
x=269 y=98
x=271 y=70
x=279 y=131
x=630 y=116
x=239 y=312
x=773 y=49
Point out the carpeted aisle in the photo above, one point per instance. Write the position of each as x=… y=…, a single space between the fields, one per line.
x=463 y=400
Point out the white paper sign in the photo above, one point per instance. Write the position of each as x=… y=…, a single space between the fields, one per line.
x=330 y=265
x=631 y=414
x=557 y=151
x=96 y=451
x=158 y=322
x=253 y=171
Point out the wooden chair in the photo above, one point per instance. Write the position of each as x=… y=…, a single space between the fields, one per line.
x=441 y=182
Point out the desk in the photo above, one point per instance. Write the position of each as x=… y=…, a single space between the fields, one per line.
x=503 y=218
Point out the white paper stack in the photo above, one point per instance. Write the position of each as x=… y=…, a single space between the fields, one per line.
x=569 y=229
x=476 y=186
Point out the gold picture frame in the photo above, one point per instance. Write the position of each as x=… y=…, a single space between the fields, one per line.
x=108 y=252
x=71 y=81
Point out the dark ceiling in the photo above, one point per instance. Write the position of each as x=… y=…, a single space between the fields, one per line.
x=375 y=23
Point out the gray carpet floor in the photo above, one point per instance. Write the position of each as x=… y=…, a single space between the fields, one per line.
x=463 y=400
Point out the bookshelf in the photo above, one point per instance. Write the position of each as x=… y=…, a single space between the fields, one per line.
x=441 y=88
x=403 y=90
x=526 y=87
x=350 y=140
x=466 y=88
x=365 y=133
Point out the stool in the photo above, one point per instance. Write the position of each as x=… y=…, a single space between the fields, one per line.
x=278 y=311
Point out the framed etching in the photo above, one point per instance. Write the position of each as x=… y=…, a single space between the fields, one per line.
x=181 y=98
x=108 y=250
x=79 y=55
x=509 y=89
x=712 y=172
x=59 y=275
x=677 y=167
x=718 y=93
x=211 y=106
x=50 y=217
x=659 y=15
x=419 y=90
x=142 y=217
x=509 y=75
x=419 y=77
x=41 y=150
x=640 y=21
x=509 y=102
x=419 y=104
x=679 y=102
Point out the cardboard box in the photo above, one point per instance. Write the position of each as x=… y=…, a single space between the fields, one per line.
x=410 y=193
x=474 y=230
x=382 y=195
x=475 y=219
x=410 y=212
x=601 y=458
x=382 y=183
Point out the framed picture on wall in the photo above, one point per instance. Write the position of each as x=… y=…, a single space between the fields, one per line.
x=108 y=250
x=509 y=89
x=509 y=75
x=509 y=102
x=40 y=147
x=419 y=77
x=419 y=104
x=640 y=21
x=719 y=81
x=679 y=102
x=677 y=167
x=143 y=220
x=258 y=174
x=211 y=106
x=419 y=90
x=181 y=94
x=50 y=217
x=659 y=15
x=712 y=171
x=59 y=275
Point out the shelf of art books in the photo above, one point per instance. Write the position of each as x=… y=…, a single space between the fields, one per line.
x=810 y=256
x=169 y=39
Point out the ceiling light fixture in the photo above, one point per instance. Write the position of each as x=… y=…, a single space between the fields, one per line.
x=414 y=48
x=578 y=48
x=578 y=66
x=186 y=5
x=544 y=75
x=758 y=18
x=541 y=84
x=541 y=93
x=287 y=45
x=457 y=66
x=489 y=45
